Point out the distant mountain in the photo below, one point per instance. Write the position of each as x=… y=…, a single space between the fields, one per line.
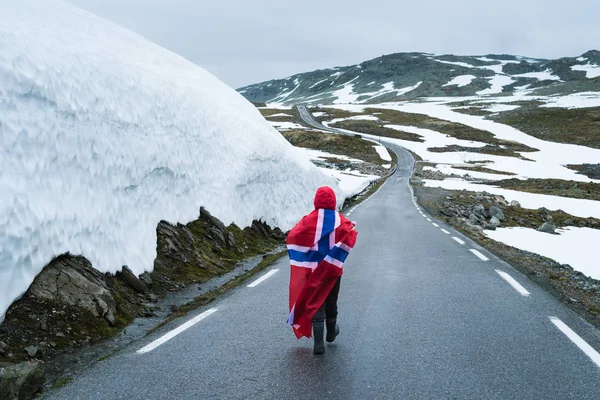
x=411 y=75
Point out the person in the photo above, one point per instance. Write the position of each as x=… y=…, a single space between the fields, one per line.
x=318 y=246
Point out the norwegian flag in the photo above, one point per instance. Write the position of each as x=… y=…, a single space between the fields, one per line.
x=318 y=246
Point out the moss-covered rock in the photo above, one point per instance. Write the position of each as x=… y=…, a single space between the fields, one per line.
x=21 y=381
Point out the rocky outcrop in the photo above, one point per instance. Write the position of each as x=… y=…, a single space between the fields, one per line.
x=70 y=304
x=20 y=381
x=71 y=280
x=476 y=212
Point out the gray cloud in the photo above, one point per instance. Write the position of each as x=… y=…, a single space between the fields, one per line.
x=248 y=41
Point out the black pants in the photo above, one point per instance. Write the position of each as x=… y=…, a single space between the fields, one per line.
x=329 y=308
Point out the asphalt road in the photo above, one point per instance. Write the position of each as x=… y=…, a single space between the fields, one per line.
x=421 y=317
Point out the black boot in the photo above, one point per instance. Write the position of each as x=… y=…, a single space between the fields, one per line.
x=332 y=330
x=318 y=331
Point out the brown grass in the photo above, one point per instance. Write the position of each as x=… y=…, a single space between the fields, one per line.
x=577 y=126
x=350 y=146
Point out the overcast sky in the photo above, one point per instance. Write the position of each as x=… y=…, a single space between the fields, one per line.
x=249 y=41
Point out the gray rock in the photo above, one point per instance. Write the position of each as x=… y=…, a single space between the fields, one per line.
x=127 y=276
x=500 y=200
x=21 y=381
x=568 y=222
x=476 y=229
x=3 y=347
x=473 y=220
x=515 y=203
x=72 y=280
x=32 y=350
x=479 y=210
x=547 y=227
x=496 y=212
x=495 y=222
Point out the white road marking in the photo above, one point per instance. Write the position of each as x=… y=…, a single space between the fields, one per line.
x=428 y=220
x=513 y=282
x=575 y=338
x=445 y=231
x=479 y=255
x=165 y=338
x=457 y=240
x=436 y=225
x=263 y=278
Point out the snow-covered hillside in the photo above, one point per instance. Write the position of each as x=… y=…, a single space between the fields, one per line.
x=103 y=134
x=414 y=75
x=455 y=162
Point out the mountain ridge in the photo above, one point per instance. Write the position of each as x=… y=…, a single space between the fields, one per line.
x=401 y=76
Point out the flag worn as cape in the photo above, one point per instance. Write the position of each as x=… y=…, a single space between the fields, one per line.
x=318 y=246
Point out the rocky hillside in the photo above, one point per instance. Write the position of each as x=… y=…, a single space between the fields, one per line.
x=411 y=75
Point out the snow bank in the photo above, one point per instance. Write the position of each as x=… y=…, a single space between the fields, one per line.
x=574 y=246
x=104 y=133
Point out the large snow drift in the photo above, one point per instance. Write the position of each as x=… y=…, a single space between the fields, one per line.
x=103 y=134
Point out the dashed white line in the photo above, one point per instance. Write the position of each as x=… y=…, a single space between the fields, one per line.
x=165 y=338
x=428 y=220
x=445 y=231
x=575 y=338
x=479 y=255
x=263 y=278
x=512 y=282
x=457 y=240
x=434 y=224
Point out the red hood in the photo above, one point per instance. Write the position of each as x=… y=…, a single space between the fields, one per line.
x=325 y=198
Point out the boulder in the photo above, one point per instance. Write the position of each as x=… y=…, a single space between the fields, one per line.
x=473 y=220
x=32 y=351
x=495 y=222
x=515 y=203
x=72 y=280
x=547 y=227
x=496 y=212
x=475 y=229
x=127 y=276
x=479 y=210
x=21 y=381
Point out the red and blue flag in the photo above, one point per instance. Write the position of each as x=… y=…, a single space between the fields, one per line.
x=317 y=246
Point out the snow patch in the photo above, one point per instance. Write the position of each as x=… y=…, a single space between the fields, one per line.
x=285 y=125
x=383 y=152
x=591 y=70
x=546 y=75
x=497 y=83
x=462 y=80
x=574 y=246
x=575 y=100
